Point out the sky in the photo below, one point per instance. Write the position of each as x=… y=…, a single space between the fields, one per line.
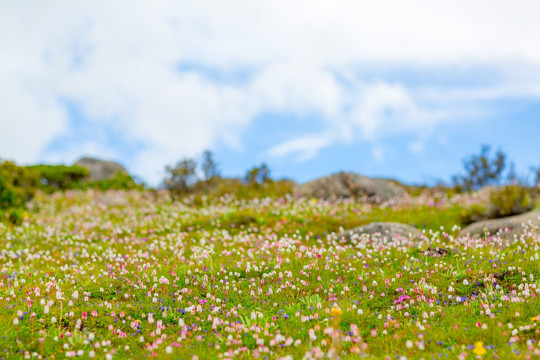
x=396 y=89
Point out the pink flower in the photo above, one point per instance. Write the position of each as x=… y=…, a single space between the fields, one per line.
x=401 y=299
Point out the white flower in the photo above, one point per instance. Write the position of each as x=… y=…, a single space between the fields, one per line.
x=16 y=321
x=168 y=349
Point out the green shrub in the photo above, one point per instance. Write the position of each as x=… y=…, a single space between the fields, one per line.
x=510 y=200
x=7 y=195
x=474 y=213
x=60 y=177
x=239 y=189
x=13 y=216
x=17 y=185
x=120 y=181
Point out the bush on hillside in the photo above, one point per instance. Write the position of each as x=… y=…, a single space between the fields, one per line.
x=503 y=201
x=474 y=213
x=510 y=200
x=17 y=185
x=61 y=177
x=120 y=181
x=181 y=180
x=241 y=190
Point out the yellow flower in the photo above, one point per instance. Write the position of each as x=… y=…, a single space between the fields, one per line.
x=536 y=318
x=335 y=312
x=479 y=348
x=314 y=200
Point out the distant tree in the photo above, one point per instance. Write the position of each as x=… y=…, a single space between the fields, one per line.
x=181 y=177
x=258 y=175
x=481 y=170
x=209 y=166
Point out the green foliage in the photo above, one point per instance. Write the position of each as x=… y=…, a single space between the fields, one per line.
x=180 y=178
x=120 y=181
x=7 y=195
x=61 y=177
x=481 y=170
x=270 y=188
x=258 y=175
x=476 y=212
x=503 y=201
x=14 y=216
x=510 y=200
x=17 y=185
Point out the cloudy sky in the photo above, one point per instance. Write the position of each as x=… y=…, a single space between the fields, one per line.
x=403 y=89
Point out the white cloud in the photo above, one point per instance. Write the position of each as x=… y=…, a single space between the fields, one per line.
x=416 y=147
x=306 y=146
x=119 y=63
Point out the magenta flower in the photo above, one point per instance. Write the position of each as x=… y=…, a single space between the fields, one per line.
x=401 y=299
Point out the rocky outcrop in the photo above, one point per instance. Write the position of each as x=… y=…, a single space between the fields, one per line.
x=508 y=226
x=347 y=185
x=383 y=230
x=100 y=169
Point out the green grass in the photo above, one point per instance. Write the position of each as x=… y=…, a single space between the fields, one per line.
x=246 y=279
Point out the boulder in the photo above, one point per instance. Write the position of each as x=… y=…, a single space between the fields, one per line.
x=509 y=226
x=383 y=230
x=100 y=169
x=348 y=184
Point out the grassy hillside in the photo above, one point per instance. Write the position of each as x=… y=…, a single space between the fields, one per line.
x=135 y=274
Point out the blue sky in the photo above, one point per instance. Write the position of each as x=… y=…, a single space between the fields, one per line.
x=310 y=87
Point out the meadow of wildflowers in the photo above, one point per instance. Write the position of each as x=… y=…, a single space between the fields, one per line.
x=120 y=275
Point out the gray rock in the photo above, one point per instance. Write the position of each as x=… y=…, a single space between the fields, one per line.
x=101 y=169
x=439 y=252
x=383 y=230
x=347 y=185
x=514 y=225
